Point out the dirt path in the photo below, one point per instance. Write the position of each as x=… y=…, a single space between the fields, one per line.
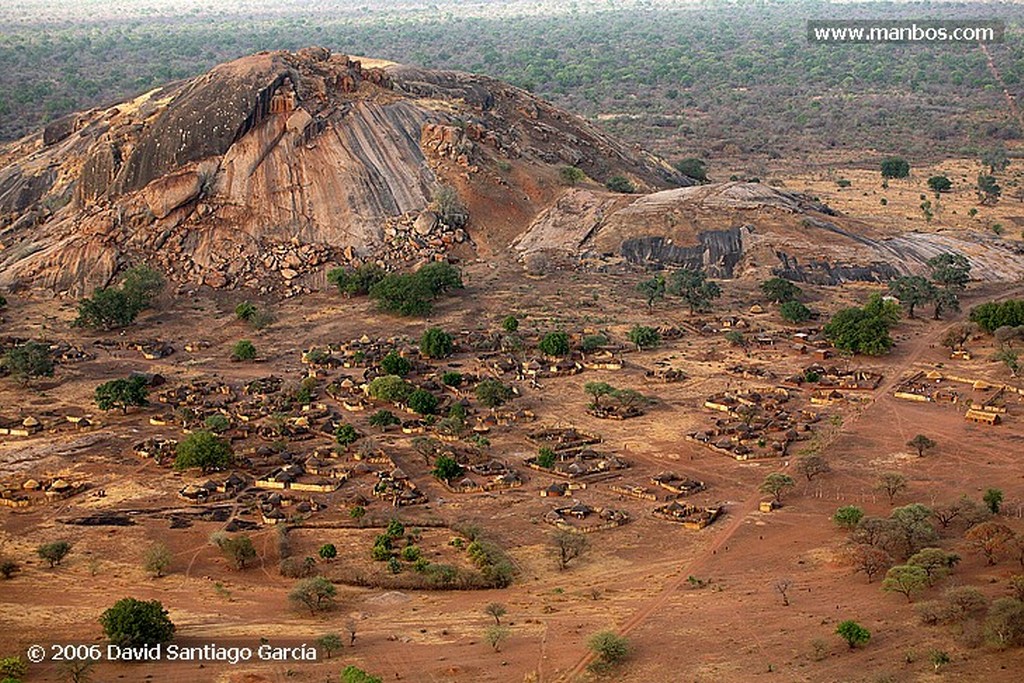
x=739 y=514
x=1010 y=100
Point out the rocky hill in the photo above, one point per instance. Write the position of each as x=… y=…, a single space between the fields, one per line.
x=266 y=170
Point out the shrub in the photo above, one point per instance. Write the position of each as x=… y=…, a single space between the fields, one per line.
x=54 y=552
x=693 y=168
x=135 y=623
x=895 y=167
x=245 y=311
x=383 y=418
x=794 y=312
x=853 y=633
x=315 y=594
x=492 y=393
x=346 y=435
x=452 y=378
x=570 y=175
x=610 y=647
x=620 y=183
x=238 y=550
x=848 y=516
x=217 y=423
x=328 y=551
x=592 y=342
x=644 y=337
x=356 y=282
x=510 y=324
x=157 y=560
x=243 y=350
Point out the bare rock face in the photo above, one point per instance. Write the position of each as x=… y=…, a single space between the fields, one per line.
x=268 y=169
x=734 y=229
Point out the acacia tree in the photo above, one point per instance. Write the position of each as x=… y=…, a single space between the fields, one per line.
x=812 y=465
x=869 y=560
x=991 y=539
x=776 y=484
x=652 y=289
x=695 y=289
x=315 y=594
x=912 y=290
x=496 y=610
x=891 y=484
x=921 y=443
x=906 y=579
x=568 y=546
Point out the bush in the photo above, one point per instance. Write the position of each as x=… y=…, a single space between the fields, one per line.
x=620 y=183
x=217 y=423
x=510 y=324
x=592 y=342
x=157 y=559
x=54 y=552
x=404 y=295
x=570 y=175
x=555 y=344
x=848 y=516
x=135 y=623
x=243 y=350
x=693 y=168
x=204 y=450
x=328 y=551
x=353 y=674
x=295 y=568
x=610 y=647
x=356 y=282
x=108 y=309
x=940 y=183
x=545 y=458
x=245 y=311
x=449 y=207
x=853 y=633
x=238 y=550
x=992 y=315
x=12 y=667
x=436 y=343
x=452 y=378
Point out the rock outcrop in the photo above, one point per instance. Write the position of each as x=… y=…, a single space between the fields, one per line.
x=269 y=168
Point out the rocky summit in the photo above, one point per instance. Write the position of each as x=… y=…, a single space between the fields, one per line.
x=267 y=169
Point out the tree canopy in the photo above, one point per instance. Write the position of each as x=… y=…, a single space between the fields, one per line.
x=134 y=623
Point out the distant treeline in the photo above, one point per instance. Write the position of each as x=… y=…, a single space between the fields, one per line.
x=707 y=80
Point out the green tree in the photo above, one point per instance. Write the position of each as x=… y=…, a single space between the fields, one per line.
x=555 y=344
x=243 y=350
x=571 y=176
x=12 y=668
x=353 y=674
x=652 y=289
x=995 y=158
x=694 y=288
x=330 y=643
x=405 y=295
x=449 y=207
x=389 y=388
x=545 y=458
x=906 y=579
x=568 y=546
x=991 y=539
x=794 y=312
x=863 y=330
x=136 y=623
x=423 y=402
x=912 y=291
x=921 y=443
x=895 y=167
x=510 y=324
x=436 y=343
x=950 y=273
x=644 y=337
x=142 y=284
x=853 y=633
x=346 y=435
x=447 y=468
x=439 y=277
x=238 y=550
x=328 y=551
x=157 y=559
x=776 y=484
x=779 y=290
x=993 y=498
x=693 y=168
x=936 y=562
x=1004 y=624
x=848 y=516
x=598 y=389
x=395 y=364
x=492 y=393
x=620 y=183
x=315 y=594
x=940 y=184
x=54 y=552
x=29 y=360
x=107 y=309
x=204 y=450
x=383 y=418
